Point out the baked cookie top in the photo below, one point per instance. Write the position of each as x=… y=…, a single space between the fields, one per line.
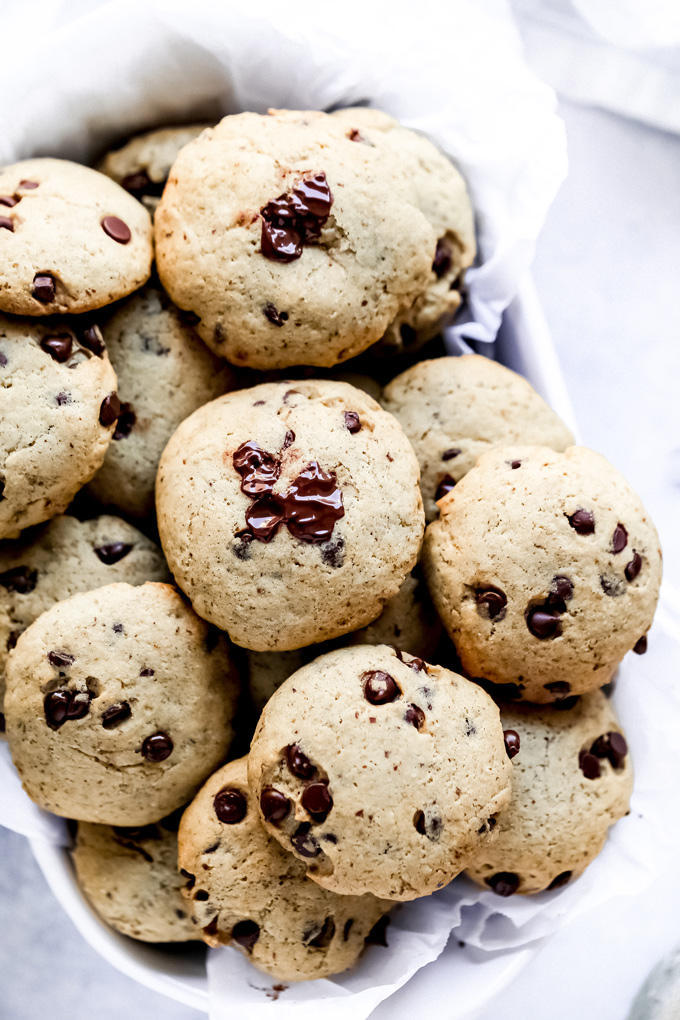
x=382 y=773
x=71 y=240
x=297 y=238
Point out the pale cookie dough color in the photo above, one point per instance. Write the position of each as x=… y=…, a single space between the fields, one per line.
x=298 y=238
x=383 y=774
x=244 y=890
x=130 y=877
x=58 y=409
x=142 y=165
x=164 y=373
x=289 y=513
x=409 y=622
x=545 y=569
x=455 y=409
x=64 y=557
x=119 y=703
x=71 y=240
x=571 y=780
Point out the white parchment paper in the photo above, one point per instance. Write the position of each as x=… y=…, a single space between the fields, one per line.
x=92 y=79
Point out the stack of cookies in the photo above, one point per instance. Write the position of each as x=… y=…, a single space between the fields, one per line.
x=303 y=647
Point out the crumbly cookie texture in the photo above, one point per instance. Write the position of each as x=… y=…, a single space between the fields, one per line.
x=58 y=408
x=66 y=556
x=164 y=373
x=545 y=569
x=130 y=877
x=244 y=890
x=119 y=703
x=409 y=622
x=456 y=408
x=571 y=780
x=300 y=238
x=382 y=773
x=142 y=165
x=73 y=241
x=289 y=513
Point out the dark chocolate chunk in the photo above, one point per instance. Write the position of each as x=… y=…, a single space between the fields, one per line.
x=21 y=580
x=633 y=568
x=58 y=346
x=115 y=715
x=583 y=521
x=116 y=229
x=379 y=687
x=61 y=660
x=619 y=539
x=313 y=504
x=44 y=289
x=230 y=805
x=112 y=552
x=589 y=765
x=504 y=883
x=109 y=410
x=63 y=705
x=291 y=220
x=258 y=469
x=275 y=805
x=246 y=933
x=298 y=763
x=157 y=747
x=511 y=739
x=317 y=801
x=352 y=422
x=543 y=622
x=92 y=339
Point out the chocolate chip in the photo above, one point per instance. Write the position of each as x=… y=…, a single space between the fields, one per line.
x=125 y=423
x=514 y=464
x=92 y=339
x=612 y=746
x=6 y=223
x=63 y=398
x=9 y=200
x=112 y=552
x=504 y=883
x=415 y=716
x=560 y=688
x=44 y=289
x=322 y=937
x=430 y=827
x=354 y=136
x=157 y=747
x=29 y=185
x=619 y=539
x=612 y=586
x=491 y=603
x=589 y=765
x=333 y=553
x=511 y=739
x=347 y=929
x=12 y=639
x=640 y=646
x=258 y=469
x=291 y=220
x=560 y=880
x=61 y=660
x=109 y=410
x=275 y=805
x=230 y=805
x=305 y=844
x=450 y=454
x=377 y=936
x=115 y=715
x=446 y=484
x=633 y=568
x=3 y=360
x=583 y=521
x=312 y=504
x=147 y=672
x=116 y=229
x=59 y=346
x=275 y=317
x=280 y=244
x=63 y=705
x=543 y=623
x=562 y=588
x=21 y=580
x=416 y=664
x=352 y=422
x=566 y=704
x=442 y=258
x=246 y=934
x=202 y=894
x=137 y=183
x=379 y=687
x=317 y=801
x=288 y=439
x=298 y=763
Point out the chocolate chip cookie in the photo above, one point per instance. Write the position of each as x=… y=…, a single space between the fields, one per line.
x=71 y=240
x=300 y=238
x=244 y=890
x=454 y=409
x=49 y=564
x=130 y=877
x=119 y=703
x=58 y=410
x=164 y=373
x=142 y=165
x=571 y=780
x=545 y=569
x=381 y=773
x=289 y=513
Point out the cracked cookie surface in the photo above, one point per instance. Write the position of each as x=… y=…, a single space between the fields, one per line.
x=289 y=513
x=545 y=569
x=119 y=703
x=300 y=238
x=244 y=890
x=381 y=773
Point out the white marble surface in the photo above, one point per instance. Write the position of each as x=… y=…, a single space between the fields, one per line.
x=607 y=272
